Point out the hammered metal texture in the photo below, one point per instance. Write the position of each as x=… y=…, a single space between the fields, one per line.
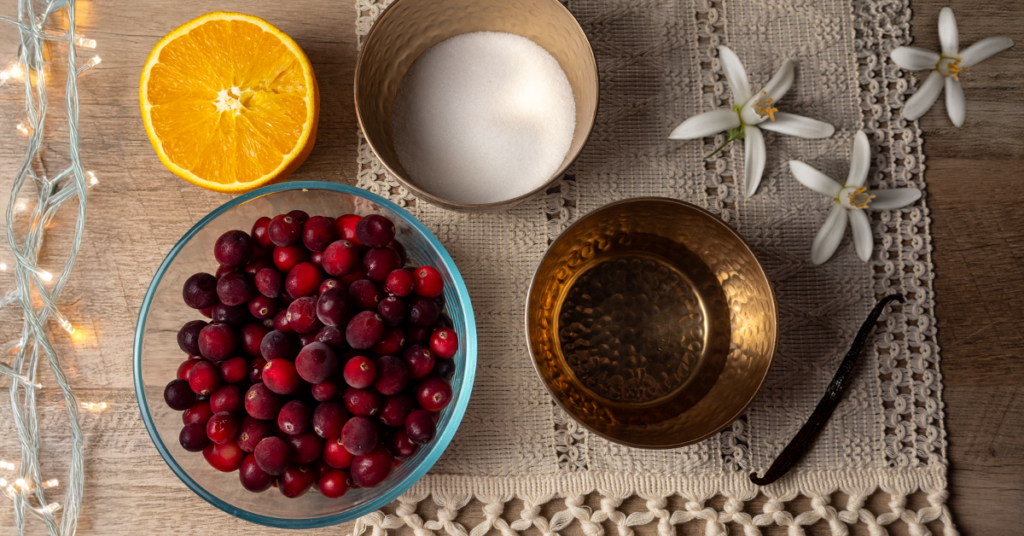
x=409 y=27
x=736 y=342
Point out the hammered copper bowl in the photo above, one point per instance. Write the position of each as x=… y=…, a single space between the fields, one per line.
x=720 y=323
x=407 y=28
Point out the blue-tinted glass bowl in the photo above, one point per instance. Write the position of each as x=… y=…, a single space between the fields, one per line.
x=157 y=356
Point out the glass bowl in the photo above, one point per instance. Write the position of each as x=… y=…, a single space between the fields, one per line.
x=157 y=356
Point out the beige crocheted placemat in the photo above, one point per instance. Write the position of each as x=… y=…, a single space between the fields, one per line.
x=658 y=65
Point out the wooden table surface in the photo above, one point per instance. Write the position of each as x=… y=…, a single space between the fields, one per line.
x=975 y=182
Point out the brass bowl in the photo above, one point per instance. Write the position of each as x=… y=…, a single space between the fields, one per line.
x=407 y=28
x=652 y=323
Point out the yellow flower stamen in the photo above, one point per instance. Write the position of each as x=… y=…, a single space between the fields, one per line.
x=765 y=108
x=858 y=198
x=950 y=67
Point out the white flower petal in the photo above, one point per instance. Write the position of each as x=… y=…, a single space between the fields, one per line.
x=799 y=126
x=893 y=198
x=735 y=74
x=814 y=179
x=862 y=239
x=914 y=59
x=949 y=36
x=754 y=158
x=984 y=49
x=860 y=160
x=830 y=235
x=956 y=105
x=705 y=124
x=923 y=99
x=775 y=89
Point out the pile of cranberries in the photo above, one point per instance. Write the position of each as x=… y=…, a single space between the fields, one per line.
x=324 y=358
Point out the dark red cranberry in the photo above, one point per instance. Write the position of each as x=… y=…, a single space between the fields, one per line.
x=235 y=289
x=324 y=390
x=193 y=437
x=334 y=307
x=256 y=369
x=392 y=375
x=306 y=339
x=363 y=331
x=444 y=342
x=396 y=408
x=428 y=282
x=284 y=230
x=400 y=249
x=199 y=412
x=418 y=335
x=333 y=483
x=252 y=431
x=327 y=284
x=392 y=310
x=328 y=419
x=207 y=311
x=260 y=235
x=233 y=248
x=217 y=342
x=224 y=270
x=359 y=372
x=317 y=258
x=318 y=232
x=227 y=398
x=279 y=345
x=375 y=231
x=423 y=312
x=379 y=262
x=444 y=368
x=303 y=280
x=280 y=377
x=433 y=393
x=252 y=477
x=362 y=402
x=316 y=362
x=399 y=282
x=299 y=215
x=331 y=336
x=178 y=395
x=222 y=427
x=204 y=378
x=359 y=435
x=296 y=481
x=286 y=257
x=305 y=447
x=346 y=227
x=280 y=321
x=420 y=427
x=272 y=455
x=302 y=315
x=185 y=367
x=226 y=458
x=347 y=280
x=252 y=337
x=235 y=317
x=262 y=403
x=336 y=455
x=369 y=470
x=269 y=282
x=200 y=291
x=400 y=445
x=390 y=342
x=188 y=336
x=263 y=307
x=340 y=258
x=294 y=418
x=365 y=295
x=257 y=265
x=419 y=360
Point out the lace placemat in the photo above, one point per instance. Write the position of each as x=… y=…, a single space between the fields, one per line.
x=658 y=65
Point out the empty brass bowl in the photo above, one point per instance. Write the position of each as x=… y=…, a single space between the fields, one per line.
x=652 y=323
x=407 y=28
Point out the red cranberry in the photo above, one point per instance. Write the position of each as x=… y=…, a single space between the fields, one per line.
x=193 y=437
x=299 y=215
x=199 y=412
x=363 y=331
x=234 y=316
x=336 y=455
x=280 y=377
x=257 y=265
x=204 y=378
x=340 y=258
x=208 y=311
x=303 y=280
x=417 y=335
x=217 y=342
x=317 y=258
x=359 y=435
x=259 y=233
x=252 y=477
x=233 y=248
x=347 y=280
x=272 y=455
x=227 y=457
x=227 y=398
x=346 y=227
x=400 y=445
x=302 y=315
x=327 y=284
x=365 y=295
x=324 y=390
x=305 y=339
x=444 y=368
x=328 y=419
x=235 y=289
x=423 y=312
x=296 y=481
x=375 y=231
x=280 y=322
x=305 y=447
x=234 y=370
x=400 y=249
x=331 y=336
x=262 y=403
x=200 y=291
x=223 y=271
x=185 y=367
x=396 y=408
x=256 y=369
x=419 y=360
x=433 y=393
x=359 y=372
x=188 y=337
x=379 y=262
x=333 y=483
x=222 y=427
x=318 y=232
x=279 y=345
x=284 y=230
x=392 y=375
x=269 y=282
x=252 y=337
x=419 y=426
x=392 y=310
x=390 y=342
x=294 y=418
x=428 y=282
x=362 y=402
x=286 y=257
x=334 y=308
x=369 y=470
x=316 y=362
x=444 y=342
x=399 y=282
x=252 y=431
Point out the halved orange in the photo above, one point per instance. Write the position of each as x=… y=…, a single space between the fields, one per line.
x=229 y=102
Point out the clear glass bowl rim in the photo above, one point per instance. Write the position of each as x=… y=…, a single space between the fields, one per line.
x=437 y=447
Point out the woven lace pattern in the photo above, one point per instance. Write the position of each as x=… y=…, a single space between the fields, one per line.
x=658 y=65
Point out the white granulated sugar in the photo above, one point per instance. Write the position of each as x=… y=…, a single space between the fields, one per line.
x=483 y=117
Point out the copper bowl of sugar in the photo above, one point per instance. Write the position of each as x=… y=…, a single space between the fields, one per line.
x=408 y=30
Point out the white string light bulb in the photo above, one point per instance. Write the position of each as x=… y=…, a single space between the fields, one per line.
x=86 y=43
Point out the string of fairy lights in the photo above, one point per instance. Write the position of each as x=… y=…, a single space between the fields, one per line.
x=37 y=290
